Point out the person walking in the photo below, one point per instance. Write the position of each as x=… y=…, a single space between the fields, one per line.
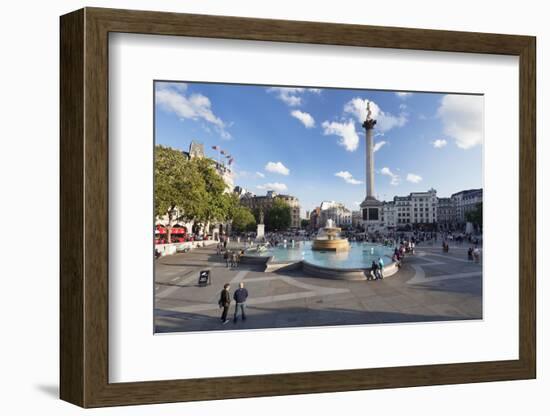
x=476 y=253
x=240 y=296
x=224 y=302
x=227 y=257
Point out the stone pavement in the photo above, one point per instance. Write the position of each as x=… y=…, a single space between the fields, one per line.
x=431 y=286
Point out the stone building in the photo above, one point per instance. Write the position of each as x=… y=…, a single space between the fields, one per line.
x=445 y=213
x=413 y=209
x=464 y=202
x=265 y=202
x=337 y=212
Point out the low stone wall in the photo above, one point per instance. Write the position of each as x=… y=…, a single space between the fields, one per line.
x=314 y=270
x=329 y=273
x=173 y=248
x=282 y=266
x=390 y=270
x=345 y=274
x=257 y=260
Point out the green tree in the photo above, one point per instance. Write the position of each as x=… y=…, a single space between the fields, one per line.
x=215 y=204
x=279 y=216
x=304 y=223
x=177 y=185
x=193 y=187
x=243 y=219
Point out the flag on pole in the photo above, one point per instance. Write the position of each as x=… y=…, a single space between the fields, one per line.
x=231 y=161
x=222 y=152
x=216 y=147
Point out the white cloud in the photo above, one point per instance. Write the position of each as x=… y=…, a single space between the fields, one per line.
x=260 y=175
x=348 y=136
x=414 y=178
x=290 y=96
x=462 y=117
x=348 y=177
x=172 y=98
x=306 y=118
x=277 y=167
x=439 y=143
x=403 y=95
x=394 y=178
x=378 y=145
x=384 y=121
x=273 y=186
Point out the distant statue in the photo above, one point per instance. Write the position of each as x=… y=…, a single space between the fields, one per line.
x=369 y=123
x=261 y=216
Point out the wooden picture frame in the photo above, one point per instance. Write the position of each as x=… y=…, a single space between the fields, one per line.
x=84 y=207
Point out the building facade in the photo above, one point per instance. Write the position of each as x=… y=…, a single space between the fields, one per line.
x=389 y=215
x=357 y=219
x=445 y=213
x=337 y=212
x=265 y=202
x=424 y=207
x=464 y=202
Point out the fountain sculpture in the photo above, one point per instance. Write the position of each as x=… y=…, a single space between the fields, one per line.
x=329 y=238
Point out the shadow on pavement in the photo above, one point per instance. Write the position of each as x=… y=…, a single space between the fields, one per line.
x=266 y=318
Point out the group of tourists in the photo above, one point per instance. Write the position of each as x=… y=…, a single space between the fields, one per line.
x=239 y=296
x=376 y=270
x=232 y=257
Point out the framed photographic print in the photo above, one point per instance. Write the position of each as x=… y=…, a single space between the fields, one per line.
x=255 y=207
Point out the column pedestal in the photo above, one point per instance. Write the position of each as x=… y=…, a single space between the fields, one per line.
x=260 y=232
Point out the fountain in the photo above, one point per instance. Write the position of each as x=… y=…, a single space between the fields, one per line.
x=329 y=238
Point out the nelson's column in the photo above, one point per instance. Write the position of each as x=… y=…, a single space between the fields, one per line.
x=370 y=207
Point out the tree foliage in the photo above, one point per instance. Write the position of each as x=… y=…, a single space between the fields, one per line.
x=279 y=216
x=193 y=187
x=243 y=219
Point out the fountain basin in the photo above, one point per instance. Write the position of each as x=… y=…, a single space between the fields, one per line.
x=345 y=274
x=331 y=245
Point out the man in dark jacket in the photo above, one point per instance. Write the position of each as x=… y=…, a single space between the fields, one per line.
x=240 y=296
x=224 y=302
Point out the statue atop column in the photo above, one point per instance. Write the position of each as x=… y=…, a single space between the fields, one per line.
x=369 y=122
x=371 y=208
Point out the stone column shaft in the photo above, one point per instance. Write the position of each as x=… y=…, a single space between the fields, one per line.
x=370 y=163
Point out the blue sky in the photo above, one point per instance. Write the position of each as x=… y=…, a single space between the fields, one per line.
x=308 y=142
